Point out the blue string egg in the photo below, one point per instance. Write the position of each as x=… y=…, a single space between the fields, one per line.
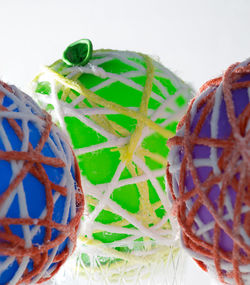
x=41 y=201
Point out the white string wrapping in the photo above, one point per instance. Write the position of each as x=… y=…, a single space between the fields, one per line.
x=164 y=233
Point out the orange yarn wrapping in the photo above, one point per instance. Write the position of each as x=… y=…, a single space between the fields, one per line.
x=236 y=147
x=12 y=245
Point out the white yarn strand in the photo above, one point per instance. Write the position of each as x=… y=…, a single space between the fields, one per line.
x=102 y=192
x=30 y=113
x=211 y=162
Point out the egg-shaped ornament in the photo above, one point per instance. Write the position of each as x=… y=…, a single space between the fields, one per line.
x=119 y=108
x=209 y=176
x=41 y=201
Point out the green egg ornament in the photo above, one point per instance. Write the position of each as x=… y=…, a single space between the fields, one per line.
x=118 y=108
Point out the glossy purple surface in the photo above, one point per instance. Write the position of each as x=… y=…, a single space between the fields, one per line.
x=241 y=100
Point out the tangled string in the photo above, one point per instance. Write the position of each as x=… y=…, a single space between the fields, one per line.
x=36 y=262
x=154 y=98
x=229 y=164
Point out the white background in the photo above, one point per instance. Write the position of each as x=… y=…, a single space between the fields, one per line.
x=196 y=39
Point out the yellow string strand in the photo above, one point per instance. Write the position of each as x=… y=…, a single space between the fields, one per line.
x=126 y=156
x=128 y=150
x=142 y=152
x=126 y=153
x=123 y=255
x=107 y=104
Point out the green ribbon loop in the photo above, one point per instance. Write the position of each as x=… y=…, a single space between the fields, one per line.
x=78 y=53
